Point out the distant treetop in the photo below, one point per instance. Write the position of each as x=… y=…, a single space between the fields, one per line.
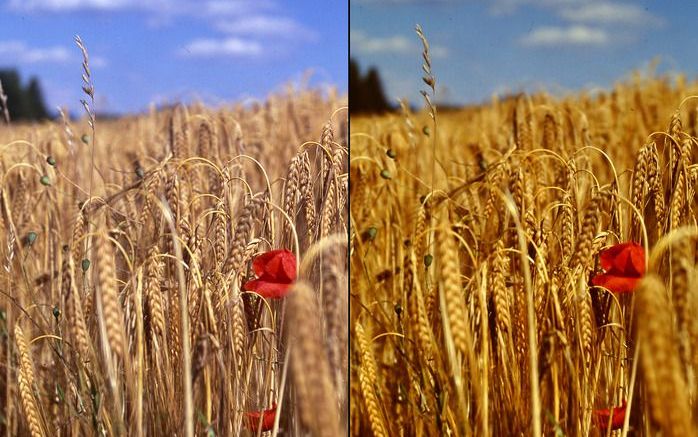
x=366 y=92
x=23 y=102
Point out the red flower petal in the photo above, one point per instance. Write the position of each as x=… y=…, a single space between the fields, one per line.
x=277 y=264
x=266 y=417
x=624 y=257
x=624 y=265
x=266 y=289
x=629 y=262
x=637 y=259
x=260 y=262
x=616 y=284
x=607 y=256
x=617 y=417
x=275 y=271
x=282 y=267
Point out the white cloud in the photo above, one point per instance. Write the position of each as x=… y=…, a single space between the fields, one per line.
x=438 y=51
x=237 y=27
x=211 y=8
x=565 y=36
x=67 y=5
x=228 y=47
x=266 y=25
x=362 y=43
x=21 y=53
x=501 y=7
x=235 y=7
x=404 y=2
x=607 y=12
x=367 y=45
x=598 y=12
x=98 y=62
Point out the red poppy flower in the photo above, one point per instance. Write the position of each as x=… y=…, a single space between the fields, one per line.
x=266 y=417
x=616 y=418
x=624 y=266
x=276 y=271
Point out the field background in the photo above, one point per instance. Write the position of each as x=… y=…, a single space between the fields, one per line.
x=474 y=238
x=124 y=250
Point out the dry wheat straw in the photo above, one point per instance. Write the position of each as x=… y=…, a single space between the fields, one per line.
x=369 y=382
x=659 y=359
x=452 y=291
x=310 y=369
x=107 y=287
x=25 y=378
x=120 y=272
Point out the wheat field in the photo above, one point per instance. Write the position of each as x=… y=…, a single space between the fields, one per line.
x=527 y=266
x=129 y=247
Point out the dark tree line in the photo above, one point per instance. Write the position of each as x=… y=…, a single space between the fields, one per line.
x=23 y=102
x=366 y=91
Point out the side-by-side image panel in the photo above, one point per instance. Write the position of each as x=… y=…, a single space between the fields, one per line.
x=523 y=213
x=174 y=218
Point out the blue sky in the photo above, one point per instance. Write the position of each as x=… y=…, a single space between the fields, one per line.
x=161 y=51
x=498 y=46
